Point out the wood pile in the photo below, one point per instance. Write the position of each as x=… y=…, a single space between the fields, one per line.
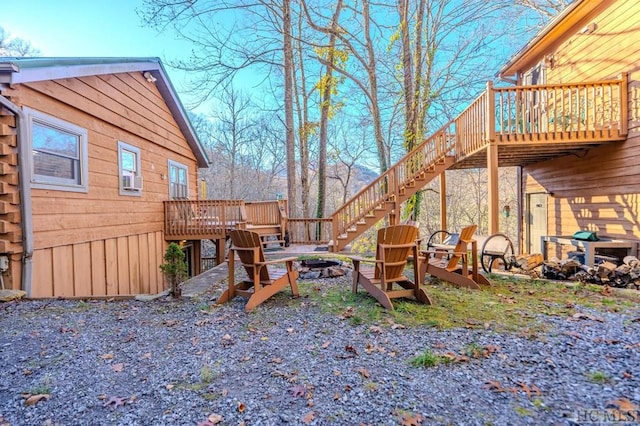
x=626 y=275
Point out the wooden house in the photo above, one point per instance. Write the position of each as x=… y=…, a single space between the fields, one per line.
x=595 y=188
x=90 y=148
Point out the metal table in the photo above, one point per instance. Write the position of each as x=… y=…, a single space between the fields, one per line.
x=589 y=247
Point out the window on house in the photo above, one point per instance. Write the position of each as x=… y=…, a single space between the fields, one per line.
x=178 y=180
x=59 y=149
x=129 y=169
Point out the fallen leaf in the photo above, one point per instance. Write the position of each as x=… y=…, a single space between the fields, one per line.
x=493 y=385
x=34 y=399
x=411 y=420
x=170 y=386
x=114 y=402
x=264 y=338
x=107 y=356
x=622 y=404
x=117 y=368
x=336 y=396
x=363 y=372
x=298 y=391
x=215 y=418
x=351 y=349
x=241 y=407
x=171 y=323
x=308 y=418
x=627 y=375
x=147 y=355
x=27 y=372
x=375 y=329
x=398 y=326
x=203 y=322
x=276 y=360
x=290 y=330
x=326 y=344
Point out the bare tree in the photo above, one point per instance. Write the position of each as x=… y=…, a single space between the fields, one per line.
x=546 y=8
x=14 y=46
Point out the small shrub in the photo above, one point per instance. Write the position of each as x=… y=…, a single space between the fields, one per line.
x=174 y=268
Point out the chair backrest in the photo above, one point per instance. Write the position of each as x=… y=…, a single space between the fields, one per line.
x=466 y=236
x=393 y=248
x=242 y=239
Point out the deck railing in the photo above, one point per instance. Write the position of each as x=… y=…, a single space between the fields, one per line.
x=310 y=231
x=575 y=111
x=201 y=218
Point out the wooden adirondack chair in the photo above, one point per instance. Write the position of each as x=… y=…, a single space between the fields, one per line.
x=395 y=244
x=456 y=267
x=262 y=283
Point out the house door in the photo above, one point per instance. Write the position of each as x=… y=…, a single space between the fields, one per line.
x=536 y=221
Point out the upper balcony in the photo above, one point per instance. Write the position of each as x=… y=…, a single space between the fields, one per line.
x=536 y=123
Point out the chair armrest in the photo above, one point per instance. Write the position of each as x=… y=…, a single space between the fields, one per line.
x=364 y=259
x=276 y=261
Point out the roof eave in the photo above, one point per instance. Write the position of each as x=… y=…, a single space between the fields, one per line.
x=25 y=70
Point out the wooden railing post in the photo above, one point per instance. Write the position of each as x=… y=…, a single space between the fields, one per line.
x=491 y=113
x=624 y=103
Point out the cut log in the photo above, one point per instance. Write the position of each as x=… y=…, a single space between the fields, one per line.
x=527 y=262
x=605 y=269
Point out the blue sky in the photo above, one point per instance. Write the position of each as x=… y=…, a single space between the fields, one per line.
x=89 y=28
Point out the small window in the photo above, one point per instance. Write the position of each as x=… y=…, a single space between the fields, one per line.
x=178 y=180
x=129 y=169
x=59 y=149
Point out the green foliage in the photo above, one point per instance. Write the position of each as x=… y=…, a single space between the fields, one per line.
x=429 y=359
x=598 y=377
x=174 y=268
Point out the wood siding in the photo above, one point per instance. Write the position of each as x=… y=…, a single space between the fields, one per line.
x=599 y=189
x=112 y=267
x=100 y=242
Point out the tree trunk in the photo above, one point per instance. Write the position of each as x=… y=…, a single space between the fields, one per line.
x=288 y=107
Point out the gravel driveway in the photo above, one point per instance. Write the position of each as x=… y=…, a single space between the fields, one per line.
x=168 y=362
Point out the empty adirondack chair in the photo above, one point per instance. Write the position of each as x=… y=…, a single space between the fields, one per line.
x=262 y=282
x=457 y=267
x=386 y=279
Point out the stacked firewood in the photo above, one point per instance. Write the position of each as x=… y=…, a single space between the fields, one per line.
x=626 y=275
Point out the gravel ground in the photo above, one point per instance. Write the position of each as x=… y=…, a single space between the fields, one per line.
x=168 y=362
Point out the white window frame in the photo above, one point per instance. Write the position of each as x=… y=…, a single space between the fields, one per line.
x=174 y=164
x=122 y=146
x=50 y=182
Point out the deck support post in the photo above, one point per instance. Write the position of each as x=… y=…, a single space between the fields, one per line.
x=443 y=200
x=492 y=183
x=492 y=163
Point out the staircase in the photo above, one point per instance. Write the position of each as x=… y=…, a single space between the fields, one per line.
x=385 y=195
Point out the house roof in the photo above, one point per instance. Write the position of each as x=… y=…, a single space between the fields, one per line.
x=567 y=23
x=25 y=70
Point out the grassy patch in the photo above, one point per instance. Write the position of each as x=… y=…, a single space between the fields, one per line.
x=598 y=377
x=429 y=359
x=507 y=305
